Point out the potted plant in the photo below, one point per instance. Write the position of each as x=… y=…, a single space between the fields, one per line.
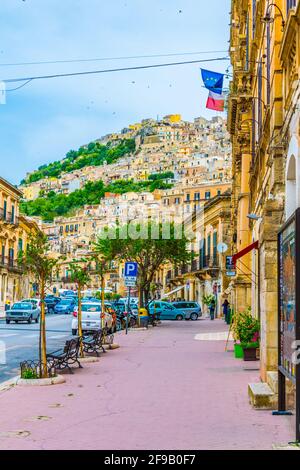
x=247 y=332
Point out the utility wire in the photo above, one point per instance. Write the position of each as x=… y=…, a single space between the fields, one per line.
x=94 y=72
x=19 y=87
x=72 y=61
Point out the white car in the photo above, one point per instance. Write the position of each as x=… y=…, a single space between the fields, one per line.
x=91 y=318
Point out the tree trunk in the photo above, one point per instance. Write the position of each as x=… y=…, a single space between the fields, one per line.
x=102 y=301
x=43 y=345
x=79 y=317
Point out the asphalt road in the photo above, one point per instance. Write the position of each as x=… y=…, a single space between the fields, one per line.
x=20 y=342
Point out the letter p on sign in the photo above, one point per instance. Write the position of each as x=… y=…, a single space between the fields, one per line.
x=131 y=269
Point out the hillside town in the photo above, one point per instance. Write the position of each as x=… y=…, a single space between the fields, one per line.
x=195 y=157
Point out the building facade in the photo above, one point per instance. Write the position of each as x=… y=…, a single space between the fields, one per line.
x=14 y=233
x=263 y=120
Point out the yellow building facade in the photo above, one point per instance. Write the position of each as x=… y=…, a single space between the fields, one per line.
x=263 y=100
x=14 y=233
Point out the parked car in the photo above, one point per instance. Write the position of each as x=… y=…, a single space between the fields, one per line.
x=34 y=301
x=65 y=306
x=191 y=310
x=165 y=311
x=23 y=312
x=91 y=318
x=51 y=301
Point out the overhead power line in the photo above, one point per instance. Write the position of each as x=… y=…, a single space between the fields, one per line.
x=72 y=61
x=95 y=72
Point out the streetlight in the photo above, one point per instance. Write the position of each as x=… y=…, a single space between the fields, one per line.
x=268 y=19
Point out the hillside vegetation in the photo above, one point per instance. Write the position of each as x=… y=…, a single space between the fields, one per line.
x=95 y=154
x=56 y=205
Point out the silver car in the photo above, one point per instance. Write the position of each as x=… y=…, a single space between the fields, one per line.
x=191 y=310
x=23 y=312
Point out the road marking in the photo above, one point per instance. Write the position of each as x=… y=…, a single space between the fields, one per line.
x=58 y=336
x=9 y=335
x=11 y=348
x=221 y=336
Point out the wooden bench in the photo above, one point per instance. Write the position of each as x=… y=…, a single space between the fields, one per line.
x=66 y=357
x=93 y=343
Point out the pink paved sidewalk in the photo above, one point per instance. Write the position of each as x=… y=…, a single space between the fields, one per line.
x=161 y=390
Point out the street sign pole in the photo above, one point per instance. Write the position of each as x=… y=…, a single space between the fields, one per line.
x=128 y=308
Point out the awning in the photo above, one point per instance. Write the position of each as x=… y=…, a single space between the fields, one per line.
x=245 y=251
x=173 y=291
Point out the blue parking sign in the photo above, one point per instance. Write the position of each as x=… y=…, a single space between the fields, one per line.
x=131 y=269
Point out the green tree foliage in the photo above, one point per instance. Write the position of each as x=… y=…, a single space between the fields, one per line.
x=36 y=261
x=162 y=176
x=95 y=154
x=149 y=251
x=57 y=205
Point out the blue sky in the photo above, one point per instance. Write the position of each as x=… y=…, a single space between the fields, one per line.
x=44 y=120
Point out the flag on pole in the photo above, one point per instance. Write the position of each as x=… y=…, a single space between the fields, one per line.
x=213 y=81
x=215 y=101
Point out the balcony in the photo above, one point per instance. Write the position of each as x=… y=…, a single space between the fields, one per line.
x=11 y=265
x=9 y=218
x=209 y=262
x=195 y=265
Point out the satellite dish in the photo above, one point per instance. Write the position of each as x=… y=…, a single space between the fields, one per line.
x=222 y=247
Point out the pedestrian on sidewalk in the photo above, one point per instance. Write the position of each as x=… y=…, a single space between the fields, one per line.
x=225 y=309
x=212 y=307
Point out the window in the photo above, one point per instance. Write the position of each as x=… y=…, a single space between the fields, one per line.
x=290 y=4
x=76 y=228
x=12 y=218
x=11 y=255
x=4 y=209
x=177 y=200
x=197 y=196
x=20 y=244
x=247 y=42
x=253 y=17
x=61 y=230
x=268 y=63
x=3 y=254
x=71 y=228
x=209 y=246
x=259 y=86
x=219 y=192
x=67 y=228
x=215 y=245
x=207 y=195
x=188 y=197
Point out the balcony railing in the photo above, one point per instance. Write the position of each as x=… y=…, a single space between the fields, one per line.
x=10 y=264
x=195 y=265
x=209 y=262
x=8 y=217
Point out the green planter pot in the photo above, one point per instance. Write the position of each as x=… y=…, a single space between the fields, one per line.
x=238 y=351
x=250 y=354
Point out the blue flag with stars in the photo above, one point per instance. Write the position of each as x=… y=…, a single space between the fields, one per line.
x=213 y=81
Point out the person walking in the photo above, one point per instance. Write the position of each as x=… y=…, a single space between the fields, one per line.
x=212 y=307
x=226 y=310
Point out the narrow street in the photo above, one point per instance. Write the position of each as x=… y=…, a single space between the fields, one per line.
x=163 y=389
x=20 y=342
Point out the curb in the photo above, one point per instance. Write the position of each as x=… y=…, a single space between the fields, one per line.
x=88 y=360
x=40 y=382
x=8 y=384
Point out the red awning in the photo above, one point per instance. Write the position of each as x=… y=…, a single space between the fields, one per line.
x=245 y=251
